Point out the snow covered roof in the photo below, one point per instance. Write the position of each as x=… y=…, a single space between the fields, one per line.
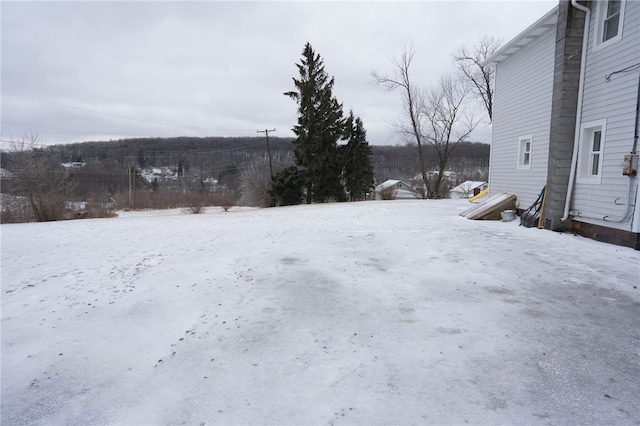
x=387 y=183
x=467 y=186
x=74 y=165
x=394 y=182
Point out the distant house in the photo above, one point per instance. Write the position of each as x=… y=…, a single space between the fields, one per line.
x=74 y=165
x=565 y=117
x=467 y=189
x=393 y=189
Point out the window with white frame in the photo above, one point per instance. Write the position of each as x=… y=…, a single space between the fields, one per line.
x=592 y=140
x=524 y=152
x=609 y=19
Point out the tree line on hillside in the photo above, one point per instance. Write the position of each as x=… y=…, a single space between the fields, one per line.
x=96 y=171
x=106 y=168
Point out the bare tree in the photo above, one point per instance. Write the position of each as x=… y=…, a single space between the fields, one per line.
x=44 y=182
x=413 y=98
x=448 y=122
x=478 y=77
x=439 y=117
x=255 y=183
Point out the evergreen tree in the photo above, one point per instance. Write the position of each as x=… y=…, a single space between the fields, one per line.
x=320 y=125
x=286 y=187
x=358 y=171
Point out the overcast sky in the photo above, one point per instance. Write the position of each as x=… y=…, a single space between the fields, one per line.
x=78 y=71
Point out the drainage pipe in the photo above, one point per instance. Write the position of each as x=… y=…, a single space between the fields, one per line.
x=637 y=126
x=576 y=137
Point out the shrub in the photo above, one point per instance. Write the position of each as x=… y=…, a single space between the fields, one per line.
x=100 y=210
x=227 y=201
x=255 y=182
x=388 y=193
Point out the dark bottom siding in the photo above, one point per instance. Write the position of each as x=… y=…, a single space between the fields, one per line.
x=607 y=235
x=602 y=233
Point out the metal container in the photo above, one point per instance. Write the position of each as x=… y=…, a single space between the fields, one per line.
x=508 y=215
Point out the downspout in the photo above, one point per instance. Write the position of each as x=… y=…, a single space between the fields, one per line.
x=576 y=137
x=634 y=150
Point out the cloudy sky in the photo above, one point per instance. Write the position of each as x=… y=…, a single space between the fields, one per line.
x=78 y=71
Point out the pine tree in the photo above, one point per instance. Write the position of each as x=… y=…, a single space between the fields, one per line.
x=286 y=187
x=358 y=171
x=320 y=125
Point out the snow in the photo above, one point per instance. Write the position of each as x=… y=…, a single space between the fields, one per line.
x=378 y=312
x=4 y=173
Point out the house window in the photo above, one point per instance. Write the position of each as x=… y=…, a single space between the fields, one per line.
x=596 y=150
x=609 y=19
x=592 y=140
x=524 y=152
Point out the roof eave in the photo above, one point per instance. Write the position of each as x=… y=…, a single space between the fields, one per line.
x=534 y=31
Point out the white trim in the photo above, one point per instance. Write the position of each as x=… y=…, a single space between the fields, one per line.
x=601 y=10
x=537 y=29
x=524 y=155
x=586 y=155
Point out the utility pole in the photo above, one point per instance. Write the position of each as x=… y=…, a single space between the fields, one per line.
x=266 y=132
x=132 y=187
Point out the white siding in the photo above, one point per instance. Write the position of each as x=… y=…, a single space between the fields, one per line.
x=522 y=106
x=614 y=101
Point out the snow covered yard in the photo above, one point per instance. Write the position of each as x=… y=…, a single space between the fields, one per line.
x=387 y=312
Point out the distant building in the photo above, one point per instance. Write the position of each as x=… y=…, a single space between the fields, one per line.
x=74 y=165
x=394 y=189
x=467 y=189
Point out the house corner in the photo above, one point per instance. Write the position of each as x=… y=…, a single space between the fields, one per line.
x=564 y=110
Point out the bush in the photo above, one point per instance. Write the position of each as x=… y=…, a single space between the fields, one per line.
x=255 y=182
x=227 y=202
x=100 y=210
x=388 y=193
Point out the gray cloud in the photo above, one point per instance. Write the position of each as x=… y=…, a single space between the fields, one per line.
x=72 y=70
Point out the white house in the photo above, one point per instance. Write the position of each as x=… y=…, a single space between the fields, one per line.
x=565 y=117
x=467 y=189
x=394 y=189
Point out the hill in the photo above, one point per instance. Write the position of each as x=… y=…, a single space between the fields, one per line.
x=224 y=158
x=184 y=171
